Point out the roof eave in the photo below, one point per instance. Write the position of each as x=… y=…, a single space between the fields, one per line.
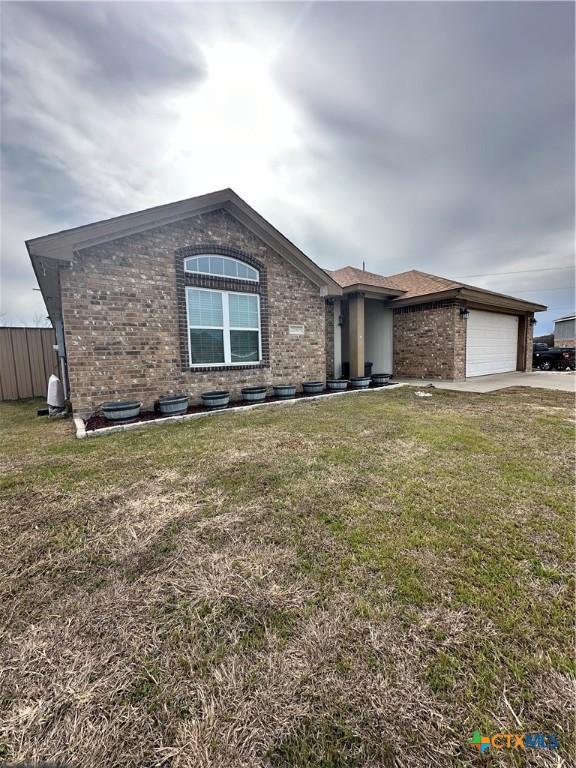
x=495 y=299
x=479 y=297
x=425 y=298
x=377 y=289
x=278 y=242
x=47 y=276
x=61 y=246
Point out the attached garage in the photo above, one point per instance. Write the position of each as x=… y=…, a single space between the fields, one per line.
x=491 y=343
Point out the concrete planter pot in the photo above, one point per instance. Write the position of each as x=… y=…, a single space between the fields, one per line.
x=173 y=405
x=216 y=399
x=313 y=387
x=285 y=391
x=337 y=385
x=360 y=382
x=254 y=394
x=121 y=410
x=379 y=379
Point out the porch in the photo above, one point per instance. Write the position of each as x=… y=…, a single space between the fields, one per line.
x=363 y=333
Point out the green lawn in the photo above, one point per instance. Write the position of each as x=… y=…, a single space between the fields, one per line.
x=363 y=581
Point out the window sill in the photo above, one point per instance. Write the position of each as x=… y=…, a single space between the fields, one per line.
x=227 y=367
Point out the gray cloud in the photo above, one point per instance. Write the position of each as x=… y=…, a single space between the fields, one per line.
x=430 y=135
x=126 y=48
x=452 y=126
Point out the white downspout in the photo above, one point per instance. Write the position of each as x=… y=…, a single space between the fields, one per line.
x=60 y=348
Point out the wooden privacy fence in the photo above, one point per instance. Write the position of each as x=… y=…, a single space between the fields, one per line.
x=27 y=360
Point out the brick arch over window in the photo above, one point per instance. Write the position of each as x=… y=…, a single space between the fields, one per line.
x=184 y=279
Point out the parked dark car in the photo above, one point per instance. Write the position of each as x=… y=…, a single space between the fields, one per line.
x=553 y=358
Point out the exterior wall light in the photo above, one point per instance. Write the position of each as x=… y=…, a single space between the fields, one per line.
x=464 y=313
x=533 y=321
x=340 y=320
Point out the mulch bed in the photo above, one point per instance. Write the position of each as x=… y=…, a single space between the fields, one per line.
x=100 y=422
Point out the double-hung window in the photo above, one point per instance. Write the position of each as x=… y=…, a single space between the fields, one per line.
x=223 y=327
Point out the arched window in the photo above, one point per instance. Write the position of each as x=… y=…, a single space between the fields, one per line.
x=220 y=266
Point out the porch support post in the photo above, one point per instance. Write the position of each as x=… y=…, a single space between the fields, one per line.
x=356 y=334
x=337 y=372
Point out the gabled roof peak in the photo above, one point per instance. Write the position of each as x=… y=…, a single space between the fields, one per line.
x=47 y=251
x=347 y=276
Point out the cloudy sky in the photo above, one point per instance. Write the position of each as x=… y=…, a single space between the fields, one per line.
x=437 y=136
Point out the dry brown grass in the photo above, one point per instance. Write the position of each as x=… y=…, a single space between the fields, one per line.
x=361 y=583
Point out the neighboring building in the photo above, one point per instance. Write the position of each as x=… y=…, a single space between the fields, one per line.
x=205 y=294
x=565 y=331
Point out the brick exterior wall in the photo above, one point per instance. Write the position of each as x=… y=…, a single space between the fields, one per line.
x=429 y=341
x=123 y=322
x=529 y=345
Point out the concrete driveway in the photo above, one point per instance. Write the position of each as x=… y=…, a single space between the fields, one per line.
x=561 y=380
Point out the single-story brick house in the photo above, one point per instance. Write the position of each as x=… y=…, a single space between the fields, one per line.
x=206 y=294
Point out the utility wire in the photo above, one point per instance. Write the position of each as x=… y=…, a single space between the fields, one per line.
x=540 y=290
x=519 y=271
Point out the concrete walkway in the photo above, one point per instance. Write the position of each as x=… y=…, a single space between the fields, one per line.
x=561 y=380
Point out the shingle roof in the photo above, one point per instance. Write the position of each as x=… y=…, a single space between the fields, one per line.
x=413 y=282
x=416 y=283
x=347 y=276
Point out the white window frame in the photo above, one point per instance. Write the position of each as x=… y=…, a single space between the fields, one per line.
x=225 y=328
x=226 y=258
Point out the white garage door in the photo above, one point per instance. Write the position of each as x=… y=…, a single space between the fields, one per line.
x=491 y=343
